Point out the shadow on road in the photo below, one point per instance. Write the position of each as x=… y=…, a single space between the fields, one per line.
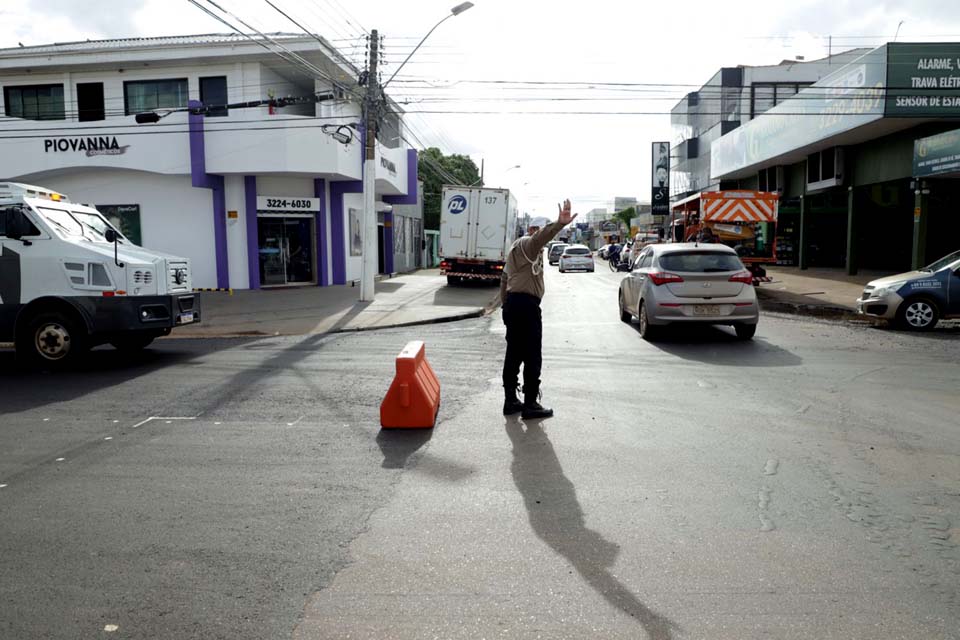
x=720 y=346
x=101 y=368
x=557 y=519
x=397 y=445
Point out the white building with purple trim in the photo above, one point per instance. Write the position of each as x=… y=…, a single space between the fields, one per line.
x=255 y=197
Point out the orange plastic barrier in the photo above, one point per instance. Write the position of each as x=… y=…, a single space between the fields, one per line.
x=414 y=397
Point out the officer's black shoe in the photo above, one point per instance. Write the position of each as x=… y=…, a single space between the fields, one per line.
x=512 y=407
x=533 y=411
x=511 y=404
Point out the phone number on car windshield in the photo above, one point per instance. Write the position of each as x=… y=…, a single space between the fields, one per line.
x=274 y=203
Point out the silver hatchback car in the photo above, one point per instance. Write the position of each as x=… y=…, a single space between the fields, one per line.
x=687 y=282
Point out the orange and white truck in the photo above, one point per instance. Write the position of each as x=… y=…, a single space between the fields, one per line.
x=742 y=219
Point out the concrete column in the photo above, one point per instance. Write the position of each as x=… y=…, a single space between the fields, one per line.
x=803 y=233
x=851 y=234
x=921 y=212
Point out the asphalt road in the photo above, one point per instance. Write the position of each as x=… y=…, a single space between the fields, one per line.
x=802 y=485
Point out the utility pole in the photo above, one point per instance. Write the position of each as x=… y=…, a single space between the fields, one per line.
x=369 y=232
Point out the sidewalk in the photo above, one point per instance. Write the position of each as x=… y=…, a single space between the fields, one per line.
x=814 y=291
x=421 y=297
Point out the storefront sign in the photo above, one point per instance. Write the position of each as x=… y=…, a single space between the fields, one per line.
x=660 y=178
x=388 y=165
x=287 y=204
x=923 y=80
x=937 y=155
x=92 y=146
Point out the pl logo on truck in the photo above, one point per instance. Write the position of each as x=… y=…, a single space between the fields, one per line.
x=457 y=204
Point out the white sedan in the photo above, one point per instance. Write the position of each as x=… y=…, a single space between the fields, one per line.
x=576 y=257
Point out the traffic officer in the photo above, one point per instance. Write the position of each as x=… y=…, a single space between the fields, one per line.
x=521 y=288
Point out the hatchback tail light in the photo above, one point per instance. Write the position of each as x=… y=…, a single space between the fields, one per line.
x=664 y=278
x=742 y=276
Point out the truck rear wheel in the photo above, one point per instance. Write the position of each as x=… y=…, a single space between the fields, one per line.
x=132 y=342
x=52 y=340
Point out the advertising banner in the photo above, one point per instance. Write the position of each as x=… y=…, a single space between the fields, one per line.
x=660 y=178
x=126 y=218
x=923 y=80
x=937 y=155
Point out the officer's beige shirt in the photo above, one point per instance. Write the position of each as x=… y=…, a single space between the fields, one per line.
x=523 y=272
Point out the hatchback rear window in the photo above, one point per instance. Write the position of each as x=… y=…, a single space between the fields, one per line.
x=576 y=251
x=700 y=262
x=558 y=248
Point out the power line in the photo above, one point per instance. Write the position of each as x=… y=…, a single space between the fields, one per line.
x=324 y=44
x=293 y=58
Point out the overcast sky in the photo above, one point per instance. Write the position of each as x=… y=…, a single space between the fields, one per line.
x=588 y=158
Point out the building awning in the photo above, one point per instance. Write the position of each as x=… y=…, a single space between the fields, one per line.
x=739 y=206
x=891 y=88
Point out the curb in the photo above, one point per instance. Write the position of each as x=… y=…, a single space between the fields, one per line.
x=479 y=313
x=822 y=311
x=488 y=309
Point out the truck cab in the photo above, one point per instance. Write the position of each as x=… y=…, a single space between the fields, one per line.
x=69 y=280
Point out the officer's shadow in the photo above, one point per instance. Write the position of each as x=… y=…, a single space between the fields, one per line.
x=557 y=519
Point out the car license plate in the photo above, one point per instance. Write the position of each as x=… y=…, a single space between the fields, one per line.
x=705 y=309
x=186 y=318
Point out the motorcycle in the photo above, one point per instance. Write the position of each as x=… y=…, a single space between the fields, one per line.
x=616 y=263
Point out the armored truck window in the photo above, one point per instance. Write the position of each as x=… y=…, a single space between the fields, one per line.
x=62 y=221
x=34 y=102
x=33 y=231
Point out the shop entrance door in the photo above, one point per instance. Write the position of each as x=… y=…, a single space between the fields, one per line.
x=286 y=250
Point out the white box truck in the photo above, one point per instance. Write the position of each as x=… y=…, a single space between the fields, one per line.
x=69 y=280
x=477 y=227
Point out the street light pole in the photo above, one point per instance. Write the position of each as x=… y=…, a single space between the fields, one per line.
x=370 y=118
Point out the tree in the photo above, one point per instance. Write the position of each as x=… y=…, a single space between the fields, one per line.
x=435 y=170
x=625 y=216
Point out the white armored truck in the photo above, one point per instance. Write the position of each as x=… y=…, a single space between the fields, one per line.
x=69 y=280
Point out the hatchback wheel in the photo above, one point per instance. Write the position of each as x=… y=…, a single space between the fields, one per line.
x=745 y=331
x=647 y=331
x=624 y=314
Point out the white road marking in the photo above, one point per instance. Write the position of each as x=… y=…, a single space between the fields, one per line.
x=109 y=438
x=111 y=627
x=115 y=421
x=46 y=419
x=217 y=423
x=290 y=424
x=3 y=486
x=60 y=459
x=168 y=419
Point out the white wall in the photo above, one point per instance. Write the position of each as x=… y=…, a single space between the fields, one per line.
x=281 y=87
x=175 y=217
x=284 y=186
x=237 y=233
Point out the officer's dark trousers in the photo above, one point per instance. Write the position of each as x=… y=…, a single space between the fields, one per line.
x=521 y=314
